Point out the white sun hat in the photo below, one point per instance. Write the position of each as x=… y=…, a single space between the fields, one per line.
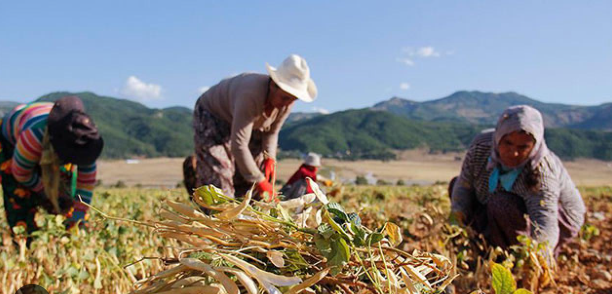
x=312 y=159
x=293 y=76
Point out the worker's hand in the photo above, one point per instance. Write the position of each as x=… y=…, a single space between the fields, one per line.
x=266 y=191
x=269 y=169
x=76 y=216
x=457 y=218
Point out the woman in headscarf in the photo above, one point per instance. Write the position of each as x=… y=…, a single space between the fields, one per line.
x=238 y=120
x=48 y=158
x=511 y=172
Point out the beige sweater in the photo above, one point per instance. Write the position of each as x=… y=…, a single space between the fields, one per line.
x=240 y=101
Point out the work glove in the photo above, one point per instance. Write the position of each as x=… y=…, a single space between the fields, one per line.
x=266 y=191
x=76 y=216
x=269 y=169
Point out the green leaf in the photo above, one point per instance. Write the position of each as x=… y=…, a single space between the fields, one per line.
x=336 y=226
x=325 y=230
x=323 y=245
x=522 y=291
x=502 y=280
x=374 y=238
x=211 y=195
x=337 y=210
x=336 y=250
x=340 y=253
x=354 y=218
x=360 y=235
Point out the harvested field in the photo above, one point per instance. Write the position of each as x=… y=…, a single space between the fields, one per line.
x=101 y=261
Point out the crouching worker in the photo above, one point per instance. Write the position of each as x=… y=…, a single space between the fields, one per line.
x=237 y=121
x=48 y=159
x=509 y=173
x=297 y=186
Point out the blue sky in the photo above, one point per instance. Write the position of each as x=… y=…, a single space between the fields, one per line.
x=163 y=53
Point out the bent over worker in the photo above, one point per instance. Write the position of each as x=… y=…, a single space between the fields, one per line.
x=239 y=119
x=510 y=173
x=297 y=184
x=48 y=159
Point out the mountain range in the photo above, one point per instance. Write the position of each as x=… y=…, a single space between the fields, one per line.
x=131 y=129
x=484 y=108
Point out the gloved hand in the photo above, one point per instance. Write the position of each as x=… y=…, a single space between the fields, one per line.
x=269 y=169
x=76 y=216
x=266 y=191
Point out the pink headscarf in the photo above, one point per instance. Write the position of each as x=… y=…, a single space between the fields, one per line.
x=520 y=118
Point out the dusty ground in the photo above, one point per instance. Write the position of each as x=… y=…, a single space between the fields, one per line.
x=413 y=167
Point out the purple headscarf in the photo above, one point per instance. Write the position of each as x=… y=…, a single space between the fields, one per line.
x=520 y=118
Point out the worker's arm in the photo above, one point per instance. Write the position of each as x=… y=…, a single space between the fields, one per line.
x=26 y=157
x=86 y=180
x=242 y=128
x=270 y=138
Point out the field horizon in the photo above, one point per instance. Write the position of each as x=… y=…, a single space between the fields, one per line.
x=413 y=167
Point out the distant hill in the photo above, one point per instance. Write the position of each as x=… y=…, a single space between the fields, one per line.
x=484 y=108
x=356 y=134
x=372 y=134
x=131 y=129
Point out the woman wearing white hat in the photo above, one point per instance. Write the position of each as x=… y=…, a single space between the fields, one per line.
x=239 y=119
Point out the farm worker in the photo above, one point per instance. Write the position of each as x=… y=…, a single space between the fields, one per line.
x=48 y=158
x=239 y=119
x=510 y=172
x=297 y=186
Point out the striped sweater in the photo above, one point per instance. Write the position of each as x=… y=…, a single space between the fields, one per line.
x=556 y=189
x=24 y=128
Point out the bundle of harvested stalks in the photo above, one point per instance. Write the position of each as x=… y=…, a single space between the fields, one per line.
x=302 y=245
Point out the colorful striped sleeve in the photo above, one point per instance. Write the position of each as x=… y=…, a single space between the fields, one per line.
x=26 y=157
x=86 y=180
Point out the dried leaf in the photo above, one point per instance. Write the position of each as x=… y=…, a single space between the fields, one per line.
x=233 y=212
x=309 y=282
x=264 y=278
x=317 y=191
x=196 y=264
x=276 y=257
x=395 y=233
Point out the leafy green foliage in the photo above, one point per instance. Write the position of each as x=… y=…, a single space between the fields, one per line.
x=503 y=282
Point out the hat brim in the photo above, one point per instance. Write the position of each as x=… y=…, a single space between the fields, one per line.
x=308 y=95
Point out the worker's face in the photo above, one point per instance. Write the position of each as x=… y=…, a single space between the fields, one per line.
x=278 y=97
x=514 y=148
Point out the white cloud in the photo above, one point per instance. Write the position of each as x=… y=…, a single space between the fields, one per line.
x=203 y=89
x=136 y=89
x=406 y=61
x=411 y=53
x=427 y=52
x=404 y=86
x=320 y=110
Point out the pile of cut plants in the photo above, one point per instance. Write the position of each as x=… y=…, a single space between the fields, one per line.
x=303 y=245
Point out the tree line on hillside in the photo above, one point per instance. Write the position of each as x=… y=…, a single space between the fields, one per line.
x=131 y=129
